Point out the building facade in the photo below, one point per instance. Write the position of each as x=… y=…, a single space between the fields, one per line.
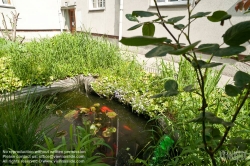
x=42 y=18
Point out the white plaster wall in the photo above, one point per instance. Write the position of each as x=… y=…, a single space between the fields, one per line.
x=144 y=5
x=37 y=35
x=97 y=21
x=210 y=32
x=38 y=14
x=6 y=12
x=35 y=15
x=201 y=29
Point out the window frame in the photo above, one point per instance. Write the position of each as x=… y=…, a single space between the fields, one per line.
x=11 y=5
x=97 y=3
x=174 y=3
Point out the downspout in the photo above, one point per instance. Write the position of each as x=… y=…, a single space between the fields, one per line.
x=120 y=22
x=59 y=15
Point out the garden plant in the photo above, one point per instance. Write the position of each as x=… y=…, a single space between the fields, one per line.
x=217 y=131
x=24 y=65
x=202 y=119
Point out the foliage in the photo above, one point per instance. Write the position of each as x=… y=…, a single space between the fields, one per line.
x=21 y=122
x=66 y=55
x=41 y=62
x=81 y=140
x=214 y=129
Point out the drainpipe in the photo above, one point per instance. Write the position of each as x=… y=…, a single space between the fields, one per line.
x=59 y=15
x=120 y=22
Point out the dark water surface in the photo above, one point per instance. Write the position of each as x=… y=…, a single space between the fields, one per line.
x=130 y=136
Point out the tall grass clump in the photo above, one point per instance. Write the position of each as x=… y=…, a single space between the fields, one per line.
x=42 y=61
x=21 y=124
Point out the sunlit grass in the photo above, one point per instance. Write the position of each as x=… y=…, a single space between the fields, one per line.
x=42 y=61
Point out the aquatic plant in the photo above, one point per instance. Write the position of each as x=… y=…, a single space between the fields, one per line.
x=80 y=141
x=21 y=121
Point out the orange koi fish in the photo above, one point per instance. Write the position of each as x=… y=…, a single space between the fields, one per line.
x=126 y=128
x=105 y=109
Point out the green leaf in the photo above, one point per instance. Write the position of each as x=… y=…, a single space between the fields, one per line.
x=197 y=63
x=171 y=85
x=170 y=93
x=148 y=29
x=135 y=27
x=159 y=51
x=157 y=95
x=200 y=14
x=130 y=17
x=239 y=144
x=208 y=48
x=241 y=79
x=189 y=88
x=143 y=14
x=166 y=94
x=237 y=34
x=141 y=40
x=184 y=49
x=212 y=119
x=158 y=19
x=215 y=132
x=232 y=90
x=168 y=40
x=211 y=64
x=203 y=64
x=140 y=161
x=228 y=51
x=174 y=19
x=179 y=26
x=219 y=16
x=239 y=139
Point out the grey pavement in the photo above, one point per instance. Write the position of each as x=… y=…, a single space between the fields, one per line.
x=152 y=64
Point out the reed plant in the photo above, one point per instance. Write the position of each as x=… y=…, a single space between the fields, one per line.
x=66 y=55
x=21 y=120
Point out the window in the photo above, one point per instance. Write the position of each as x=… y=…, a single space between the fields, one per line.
x=6 y=2
x=169 y=2
x=97 y=4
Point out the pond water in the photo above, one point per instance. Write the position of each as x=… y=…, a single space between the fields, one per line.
x=124 y=131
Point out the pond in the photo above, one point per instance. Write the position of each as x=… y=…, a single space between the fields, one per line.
x=121 y=129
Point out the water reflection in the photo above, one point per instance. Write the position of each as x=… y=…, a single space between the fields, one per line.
x=120 y=128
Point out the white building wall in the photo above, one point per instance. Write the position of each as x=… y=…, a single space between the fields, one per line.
x=45 y=14
x=42 y=14
x=37 y=19
x=98 y=21
x=201 y=29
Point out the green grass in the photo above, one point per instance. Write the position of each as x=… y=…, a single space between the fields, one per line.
x=21 y=124
x=66 y=55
